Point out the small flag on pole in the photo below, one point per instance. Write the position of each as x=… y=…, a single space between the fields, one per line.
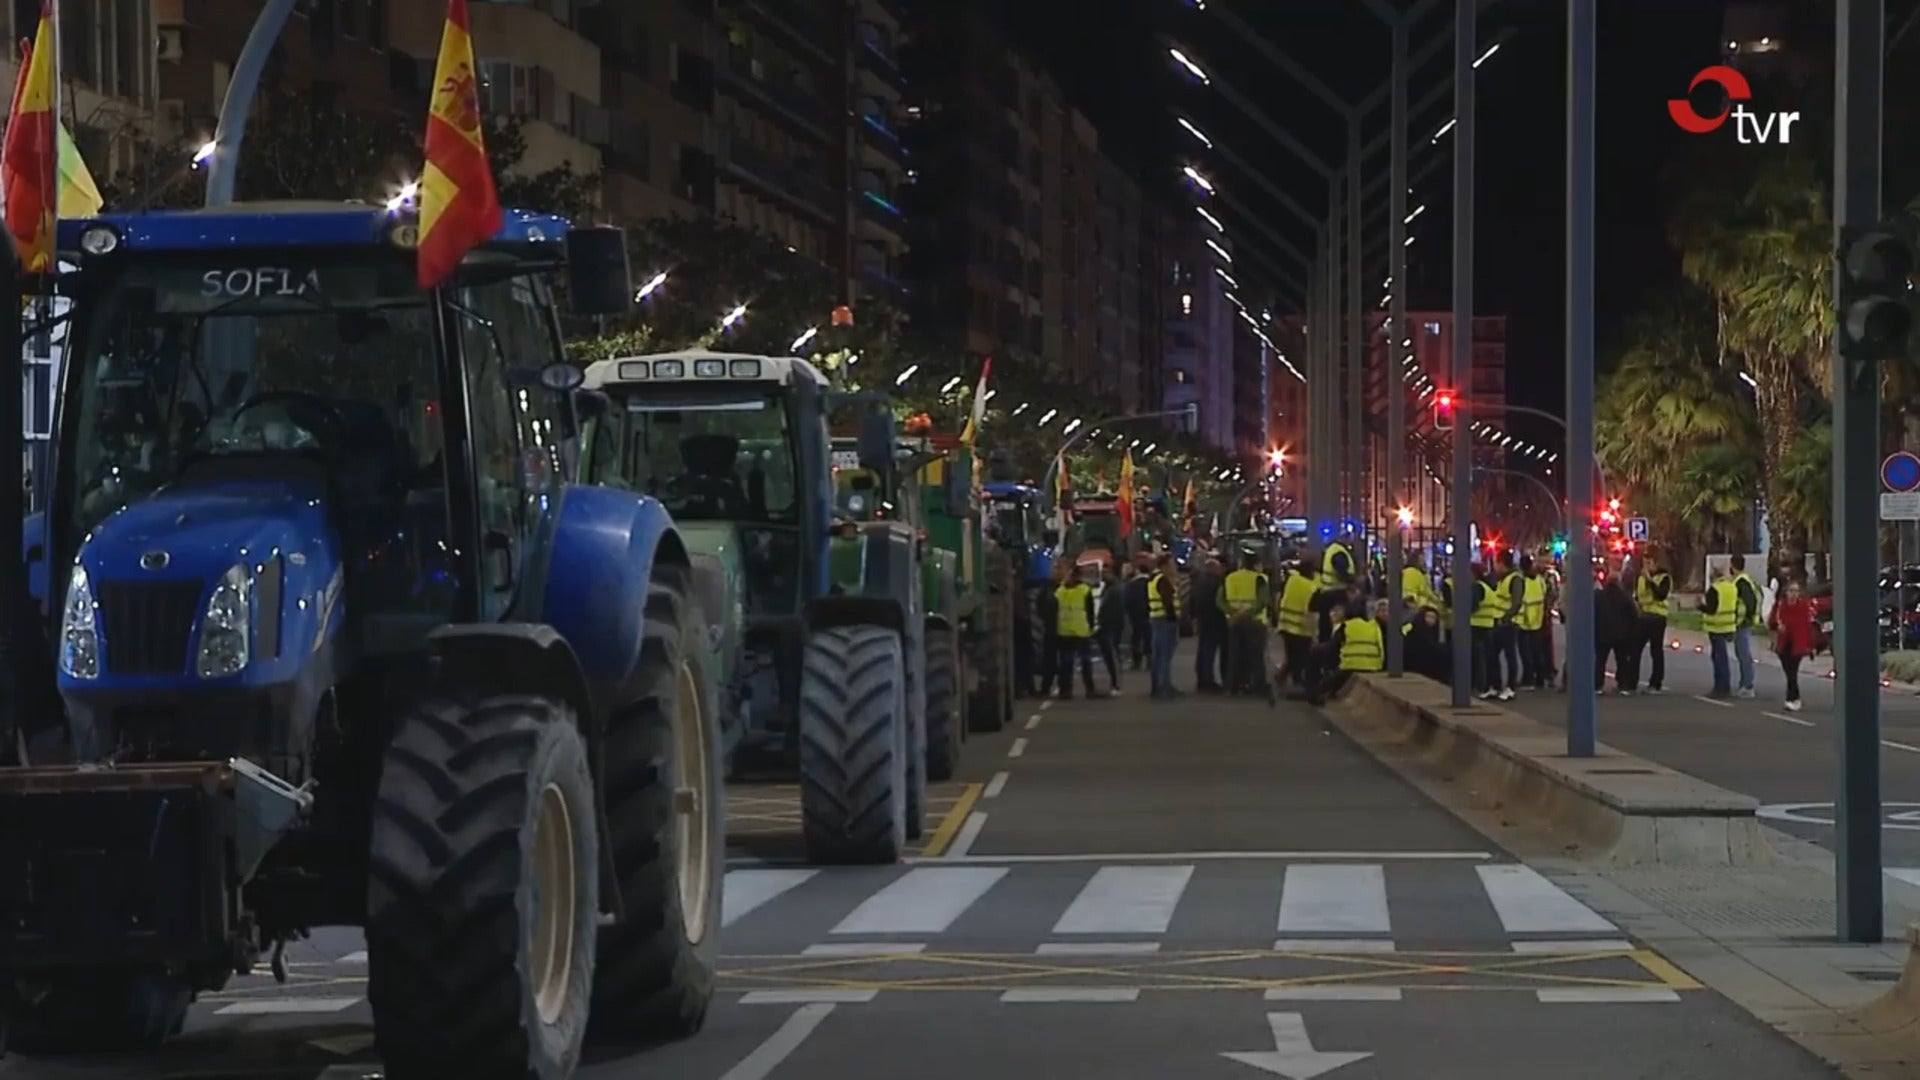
x=979 y=412
x=459 y=205
x=30 y=155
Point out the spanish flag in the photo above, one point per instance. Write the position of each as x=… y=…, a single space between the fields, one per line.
x=1188 y=508
x=979 y=412
x=1126 y=494
x=459 y=206
x=30 y=155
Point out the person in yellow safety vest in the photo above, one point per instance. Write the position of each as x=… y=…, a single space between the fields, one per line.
x=1750 y=618
x=1481 y=617
x=1530 y=624
x=1297 y=622
x=1245 y=598
x=1074 y=620
x=1503 y=662
x=1720 y=615
x=1337 y=571
x=1652 y=592
x=1416 y=588
x=1359 y=645
x=1163 y=613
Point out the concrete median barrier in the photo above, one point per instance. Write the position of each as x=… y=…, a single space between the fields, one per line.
x=1613 y=807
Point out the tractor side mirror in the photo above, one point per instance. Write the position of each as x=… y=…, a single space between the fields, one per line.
x=876 y=440
x=591 y=404
x=599 y=277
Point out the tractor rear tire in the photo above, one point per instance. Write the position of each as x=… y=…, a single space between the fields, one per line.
x=483 y=892
x=944 y=722
x=853 y=746
x=666 y=811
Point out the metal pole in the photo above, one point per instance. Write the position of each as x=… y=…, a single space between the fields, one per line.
x=1580 y=657
x=1461 y=486
x=1336 y=329
x=1396 y=433
x=1859 y=31
x=1321 y=478
x=1356 y=334
x=224 y=166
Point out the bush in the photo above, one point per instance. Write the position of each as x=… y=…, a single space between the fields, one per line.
x=1901 y=665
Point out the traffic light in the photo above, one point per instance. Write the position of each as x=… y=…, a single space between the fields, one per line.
x=1874 y=315
x=1443 y=412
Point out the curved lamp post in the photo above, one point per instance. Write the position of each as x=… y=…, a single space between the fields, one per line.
x=223 y=167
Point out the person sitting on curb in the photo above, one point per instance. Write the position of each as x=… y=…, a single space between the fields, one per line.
x=1359 y=645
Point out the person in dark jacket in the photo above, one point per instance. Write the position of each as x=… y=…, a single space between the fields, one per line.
x=1210 y=624
x=1616 y=632
x=1424 y=653
x=1110 y=626
x=1139 y=618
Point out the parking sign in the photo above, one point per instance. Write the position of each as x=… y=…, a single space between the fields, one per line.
x=1637 y=528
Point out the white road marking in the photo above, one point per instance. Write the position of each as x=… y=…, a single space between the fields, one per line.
x=353 y=958
x=1891 y=745
x=287 y=1006
x=922 y=901
x=781 y=1044
x=821 y=996
x=745 y=890
x=1097 y=948
x=1900 y=873
x=1018 y=748
x=1126 y=900
x=1713 y=701
x=1033 y=721
x=1528 y=903
x=864 y=948
x=1038 y=995
x=969 y=832
x=1333 y=946
x=1333 y=993
x=995 y=786
x=1216 y=856
x=1568 y=948
x=1334 y=899
x=1604 y=995
x=1789 y=719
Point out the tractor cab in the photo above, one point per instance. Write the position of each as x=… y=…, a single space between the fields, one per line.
x=1016 y=521
x=1097 y=529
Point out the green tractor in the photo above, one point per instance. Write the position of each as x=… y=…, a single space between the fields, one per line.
x=819 y=616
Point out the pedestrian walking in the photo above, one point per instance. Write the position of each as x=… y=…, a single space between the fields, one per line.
x=1720 y=617
x=1652 y=592
x=1750 y=618
x=1110 y=606
x=1480 y=622
x=1163 y=612
x=1073 y=633
x=1791 y=621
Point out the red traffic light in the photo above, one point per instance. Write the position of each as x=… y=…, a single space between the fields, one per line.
x=1443 y=412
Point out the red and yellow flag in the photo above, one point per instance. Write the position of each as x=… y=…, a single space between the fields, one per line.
x=1126 y=493
x=459 y=206
x=1189 y=509
x=30 y=155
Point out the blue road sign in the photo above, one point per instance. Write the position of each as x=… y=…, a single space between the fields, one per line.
x=1900 y=471
x=1637 y=528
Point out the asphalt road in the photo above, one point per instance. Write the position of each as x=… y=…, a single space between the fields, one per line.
x=1789 y=761
x=1207 y=889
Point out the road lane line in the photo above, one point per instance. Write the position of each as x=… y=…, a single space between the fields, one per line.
x=1528 y=903
x=1097 y=948
x=1039 y=995
x=287 y=1006
x=1789 y=719
x=825 y=995
x=1018 y=748
x=743 y=891
x=968 y=834
x=1605 y=995
x=1033 y=721
x=1713 y=701
x=950 y=825
x=1215 y=856
x=1570 y=948
x=1891 y=745
x=865 y=948
x=781 y=1044
x=1333 y=993
x=1335 y=899
x=995 y=786
x=1334 y=946
x=353 y=958
x=1126 y=900
x=922 y=901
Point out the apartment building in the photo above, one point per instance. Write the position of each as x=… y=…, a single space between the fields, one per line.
x=1199 y=331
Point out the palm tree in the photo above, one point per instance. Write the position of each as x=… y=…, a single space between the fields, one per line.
x=1805 y=485
x=1723 y=480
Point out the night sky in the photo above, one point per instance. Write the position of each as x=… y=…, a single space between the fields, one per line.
x=1111 y=58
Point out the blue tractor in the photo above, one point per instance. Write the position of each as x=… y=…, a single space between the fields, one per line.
x=331 y=638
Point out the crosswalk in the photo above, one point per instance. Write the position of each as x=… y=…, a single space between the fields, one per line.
x=1355 y=905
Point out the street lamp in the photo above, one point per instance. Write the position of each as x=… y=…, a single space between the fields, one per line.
x=1193 y=69
x=652 y=285
x=728 y=320
x=801 y=341
x=1194 y=131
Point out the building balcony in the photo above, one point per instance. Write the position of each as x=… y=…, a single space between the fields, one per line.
x=779 y=97
x=776 y=179
x=877 y=56
x=878 y=205
x=797 y=25
x=877 y=133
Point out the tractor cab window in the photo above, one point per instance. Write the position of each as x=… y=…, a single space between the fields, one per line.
x=186 y=371
x=726 y=459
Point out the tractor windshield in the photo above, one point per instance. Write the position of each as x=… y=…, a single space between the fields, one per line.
x=726 y=458
x=1016 y=521
x=178 y=360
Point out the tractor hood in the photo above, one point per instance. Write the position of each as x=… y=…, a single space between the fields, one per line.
x=202 y=531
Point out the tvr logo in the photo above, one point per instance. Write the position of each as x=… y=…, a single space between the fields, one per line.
x=1748 y=126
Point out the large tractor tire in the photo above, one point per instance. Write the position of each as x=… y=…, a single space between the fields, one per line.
x=116 y=1012
x=483 y=892
x=945 y=725
x=990 y=705
x=916 y=735
x=853 y=746
x=666 y=809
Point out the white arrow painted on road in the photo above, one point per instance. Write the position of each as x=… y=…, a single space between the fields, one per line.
x=1293 y=1055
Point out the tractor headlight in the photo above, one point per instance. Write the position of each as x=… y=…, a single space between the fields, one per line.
x=226 y=632
x=79 y=639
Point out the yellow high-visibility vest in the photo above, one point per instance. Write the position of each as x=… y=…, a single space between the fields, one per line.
x=1533 y=605
x=1414 y=587
x=1071 y=622
x=1754 y=617
x=1241 y=592
x=1503 y=596
x=1327 y=577
x=1643 y=592
x=1296 y=604
x=1363 y=647
x=1726 y=614
x=1157 y=607
x=1486 y=606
